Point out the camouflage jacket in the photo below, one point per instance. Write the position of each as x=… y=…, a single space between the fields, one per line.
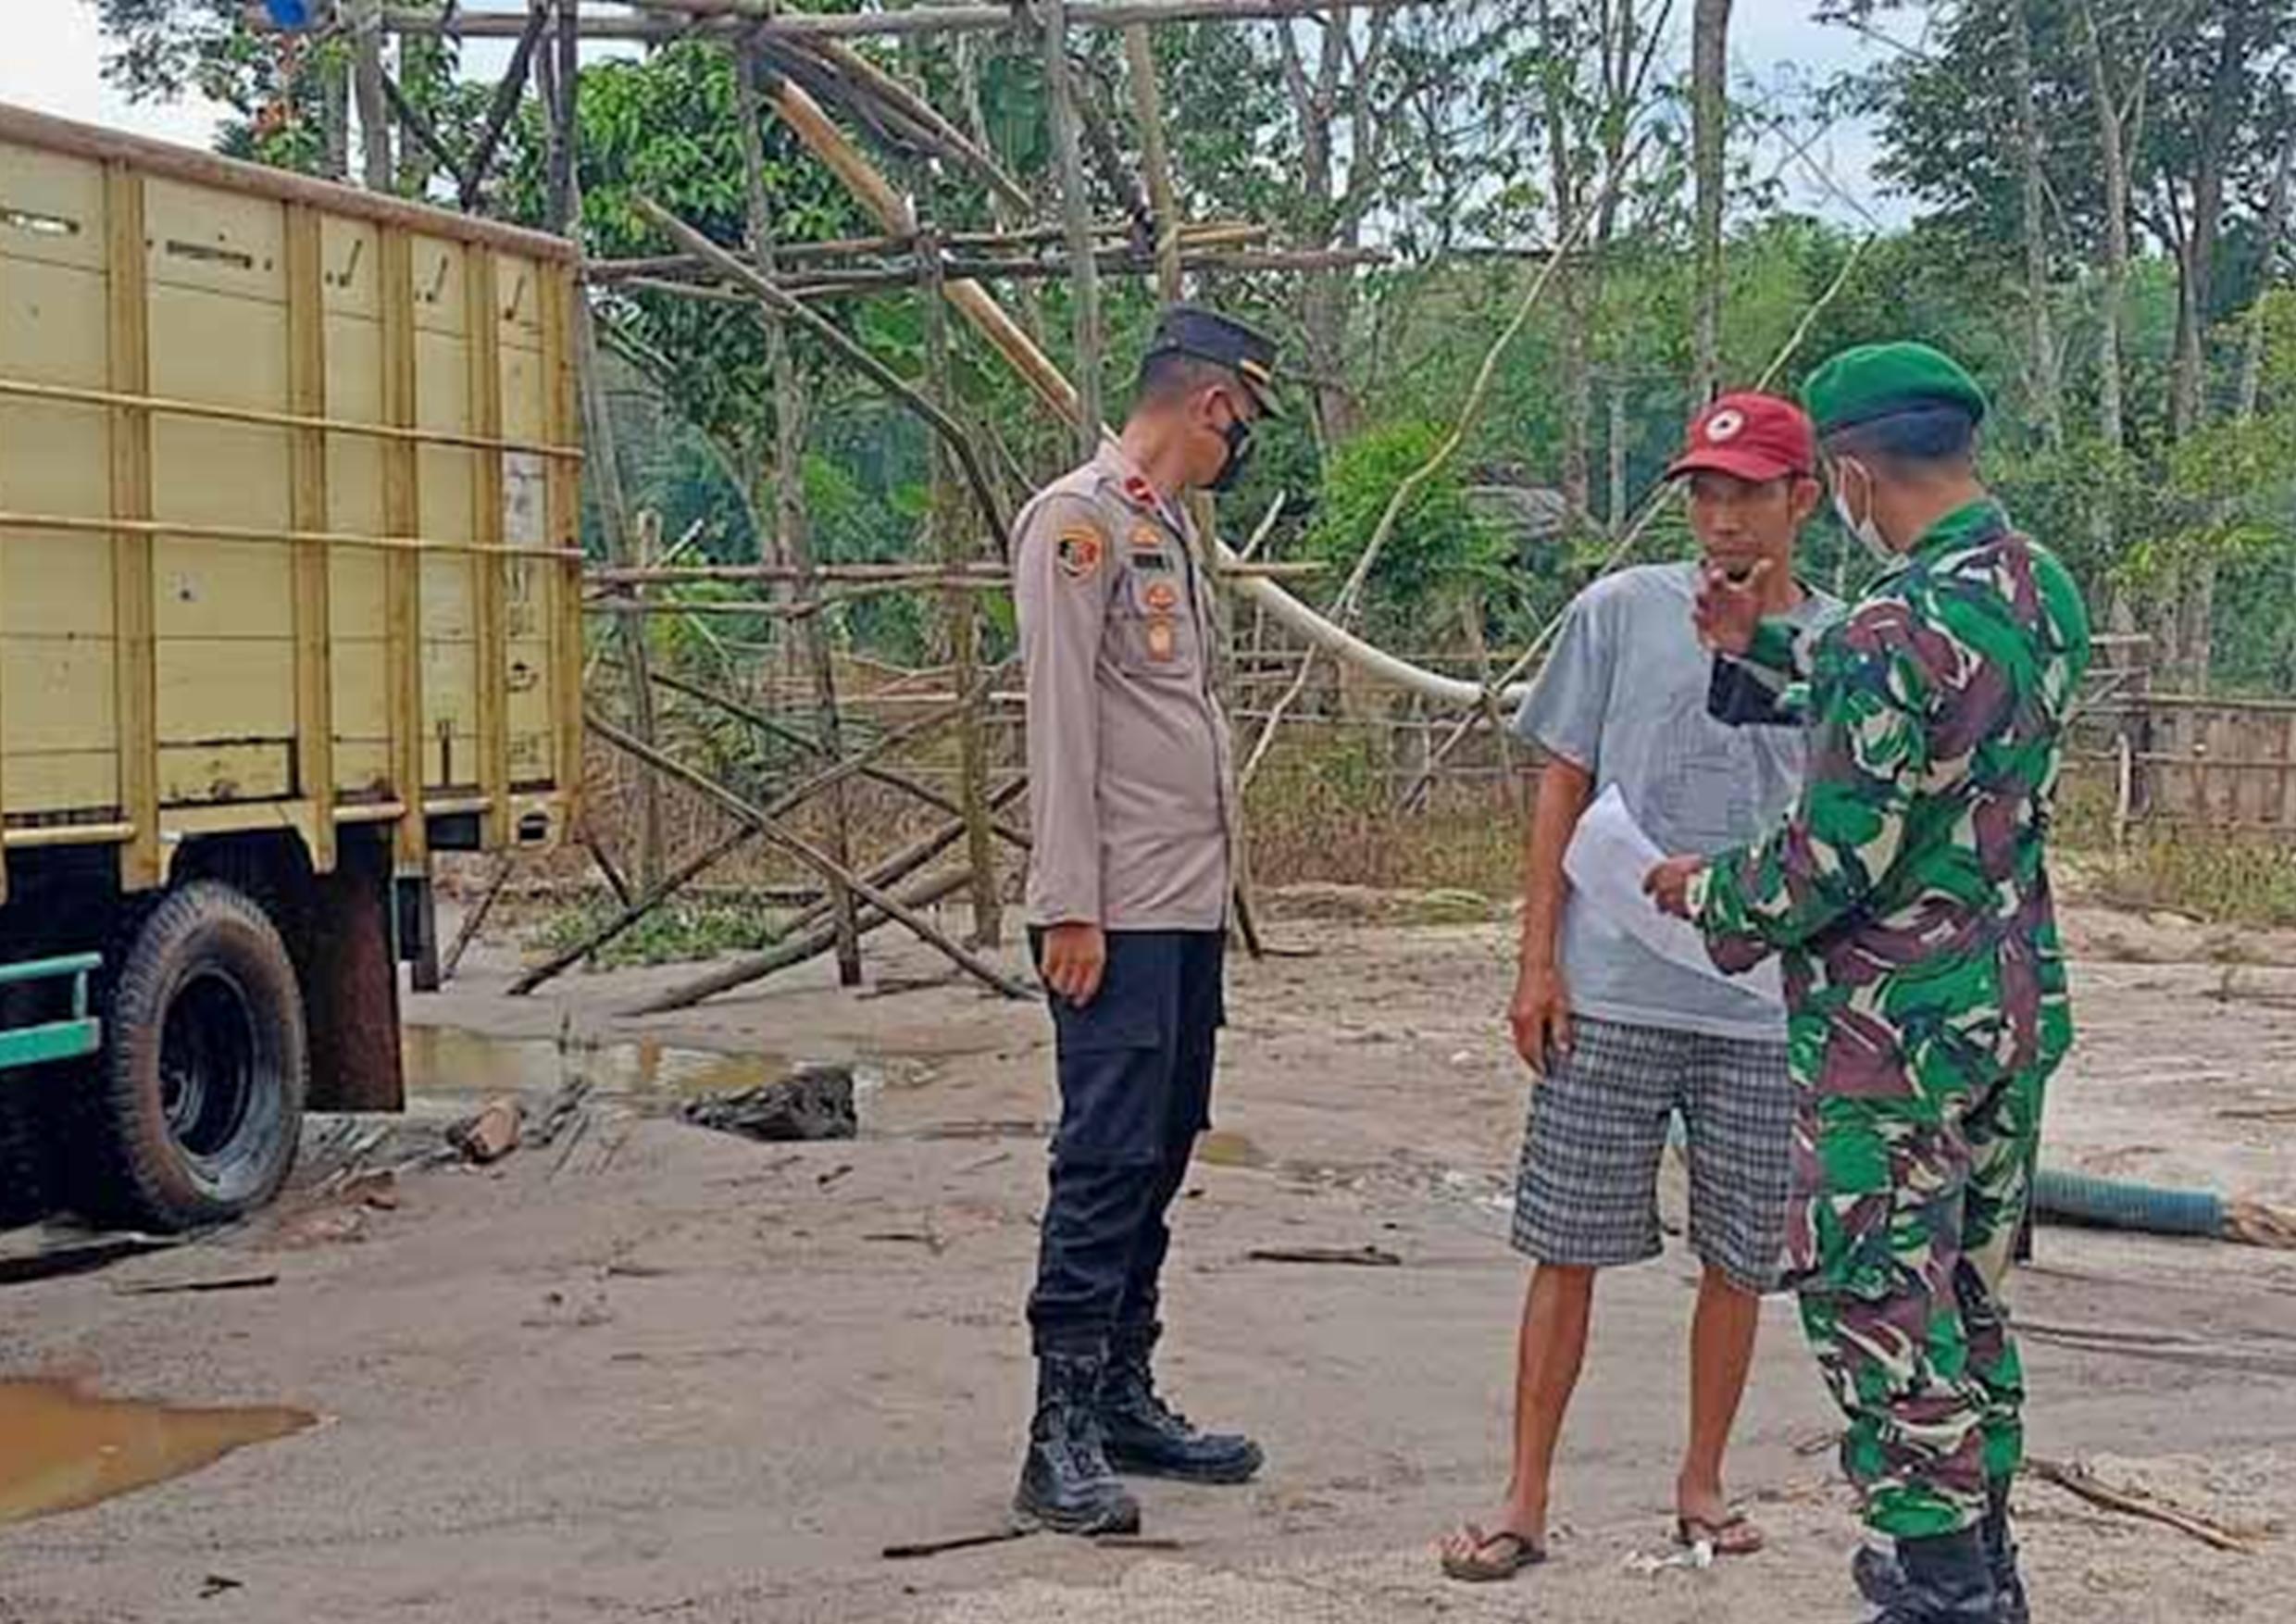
x=1907 y=890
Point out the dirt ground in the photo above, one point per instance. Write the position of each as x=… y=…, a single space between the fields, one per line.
x=657 y=1372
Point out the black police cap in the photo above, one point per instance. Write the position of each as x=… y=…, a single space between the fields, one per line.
x=1192 y=330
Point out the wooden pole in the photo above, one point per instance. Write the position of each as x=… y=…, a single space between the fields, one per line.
x=1140 y=58
x=960 y=616
x=1076 y=214
x=603 y=462
x=791 y=528
x=770 y=830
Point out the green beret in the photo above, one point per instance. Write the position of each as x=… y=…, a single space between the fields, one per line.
x=1880 y=380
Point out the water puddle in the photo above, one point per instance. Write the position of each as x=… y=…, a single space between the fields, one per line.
x=62 y=1448
x=1223 y=1148
x=444 y=1062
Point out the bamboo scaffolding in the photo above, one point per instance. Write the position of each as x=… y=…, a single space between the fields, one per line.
x=1210 y=234
x=775 y=728
x=769 y=22
x=767 y=823
x=694 y=868
x=769 y=294
x=808 y=937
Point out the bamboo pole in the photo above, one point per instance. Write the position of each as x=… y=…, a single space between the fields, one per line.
x=908 y=104
x=604 y=464
x=793 y=533
x=770 y=830
x=959 y=612
x=1115 y=261
x=874 y=192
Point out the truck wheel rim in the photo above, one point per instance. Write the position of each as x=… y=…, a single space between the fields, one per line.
x=207 y=1062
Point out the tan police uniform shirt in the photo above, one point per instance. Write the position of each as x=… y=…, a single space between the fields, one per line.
x=1129 y=758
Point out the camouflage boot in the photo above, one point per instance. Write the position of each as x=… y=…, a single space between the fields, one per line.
x=1946 y=1579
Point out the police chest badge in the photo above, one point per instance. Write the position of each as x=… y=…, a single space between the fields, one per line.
x=1079 y=551
x=1148 y=554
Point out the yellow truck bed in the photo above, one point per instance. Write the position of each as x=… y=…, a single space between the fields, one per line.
x=288 y=509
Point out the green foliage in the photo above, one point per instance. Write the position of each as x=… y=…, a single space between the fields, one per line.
x=1440 y=558
x=683 y=930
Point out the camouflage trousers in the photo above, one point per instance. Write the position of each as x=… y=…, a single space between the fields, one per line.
x=1905 y=1217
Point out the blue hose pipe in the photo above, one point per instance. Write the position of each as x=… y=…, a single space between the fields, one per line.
x=2119 y=1204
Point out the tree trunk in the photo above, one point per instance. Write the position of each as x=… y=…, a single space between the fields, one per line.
x=374 y=101
x=790 y=521
x=2228 y=104
x=2275 y=231
x=1575 y=477
x=335 y=113
x=1076 y=214
x=1710 y=117
x=2041 y=372
x=1614 y=511
x=2111 y=420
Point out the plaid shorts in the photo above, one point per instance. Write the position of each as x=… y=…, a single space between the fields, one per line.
x=1587 y=1193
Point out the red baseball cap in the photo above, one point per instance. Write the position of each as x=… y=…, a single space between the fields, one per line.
x=1757 y=437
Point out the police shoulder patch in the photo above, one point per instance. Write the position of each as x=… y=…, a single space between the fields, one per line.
x=1079 y=551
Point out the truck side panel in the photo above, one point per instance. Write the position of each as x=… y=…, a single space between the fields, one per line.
x=336 y=465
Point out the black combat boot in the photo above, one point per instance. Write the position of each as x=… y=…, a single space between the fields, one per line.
x=1946 y=1579
x=2001 y=1555
x=1147 y=1438
x=1066 y=1482
x=1882 y=1577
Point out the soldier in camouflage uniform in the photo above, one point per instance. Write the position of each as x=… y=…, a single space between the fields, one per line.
x=1909 y=898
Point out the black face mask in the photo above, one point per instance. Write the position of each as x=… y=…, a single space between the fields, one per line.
x=1239 y=437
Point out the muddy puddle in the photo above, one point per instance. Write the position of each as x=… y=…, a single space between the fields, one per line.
x=62 y=1448
x=443 y=1062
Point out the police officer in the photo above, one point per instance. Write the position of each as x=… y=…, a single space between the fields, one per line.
x=1130 y=798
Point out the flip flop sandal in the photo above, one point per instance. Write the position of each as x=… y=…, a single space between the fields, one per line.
x=1496 y=1558
x=1735 y=1535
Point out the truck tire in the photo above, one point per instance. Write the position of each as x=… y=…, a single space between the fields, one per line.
x=198 y=1101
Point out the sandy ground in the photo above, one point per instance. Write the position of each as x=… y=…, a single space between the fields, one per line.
x=656 y=1372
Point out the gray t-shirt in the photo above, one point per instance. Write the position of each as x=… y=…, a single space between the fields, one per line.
x=1624 y=697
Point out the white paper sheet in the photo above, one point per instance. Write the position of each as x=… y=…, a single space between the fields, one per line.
x=1607 y=861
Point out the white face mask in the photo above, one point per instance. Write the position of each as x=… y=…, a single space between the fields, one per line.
x=1867 y=533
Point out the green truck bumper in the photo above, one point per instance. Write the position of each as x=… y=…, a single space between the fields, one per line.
x=55 y=1040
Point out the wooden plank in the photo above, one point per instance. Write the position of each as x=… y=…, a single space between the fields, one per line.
x=483 y=315
x=306 y=391
x=563 y=499
x=402 y=513
x=110 y=147
x=142 y=865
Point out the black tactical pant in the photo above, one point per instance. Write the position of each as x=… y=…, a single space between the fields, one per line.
x=1135 y=1090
